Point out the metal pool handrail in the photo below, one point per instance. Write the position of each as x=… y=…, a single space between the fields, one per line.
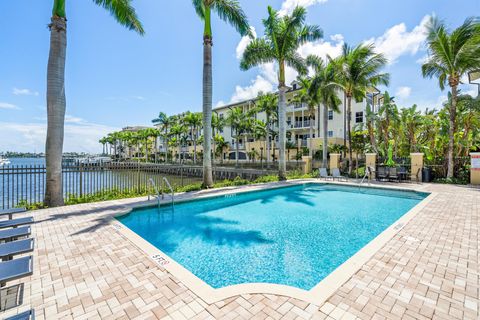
x=152 y=182
x=367 y=174
x=165 y=180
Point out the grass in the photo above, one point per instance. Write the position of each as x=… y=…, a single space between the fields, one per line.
x=115 y=194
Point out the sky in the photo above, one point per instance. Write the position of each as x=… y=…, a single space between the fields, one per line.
x=116 y=78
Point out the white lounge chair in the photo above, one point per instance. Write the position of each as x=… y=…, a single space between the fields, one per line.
x=337 y=175
x=322 y=173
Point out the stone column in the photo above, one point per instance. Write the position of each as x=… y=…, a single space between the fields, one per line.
x=417 y=164
x=334 y=160
x=307 y=164
x=475 y=168
x=371 y=161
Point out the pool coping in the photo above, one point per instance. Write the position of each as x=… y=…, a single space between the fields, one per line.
x=317 y=295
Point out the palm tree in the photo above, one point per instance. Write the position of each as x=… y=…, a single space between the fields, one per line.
x=371 y=120
x=217 y=125
x=177 y=130
x=221 y=145
x=125 y=14
x=103 y=141
x=451 y=56
x=283 y=36
x=388 y=114
x=310 y=98
x=290 y=145
x=231 y=12
x=322 y=85
x=411 y=120
x=236 y=120
x=358 y=70
x=268 y=103
x=194 y=120
x=165 y=122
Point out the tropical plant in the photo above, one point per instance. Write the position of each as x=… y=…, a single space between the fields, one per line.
x=231 y=12
x=268 y=103
x=322 y=85
x=290 y=145
x=451 y=55
x=125 y=14
x=164 y=122
x=283 y=36
x=218 y=123
x=358 y=71
x=237 y=120
x=309 y=98
x=194 y=121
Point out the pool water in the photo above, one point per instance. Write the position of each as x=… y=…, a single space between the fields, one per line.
x=293 y=236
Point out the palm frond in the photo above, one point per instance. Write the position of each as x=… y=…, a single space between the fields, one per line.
x=258 y=51
x=295 y=61
x=199 y=8
x=231 y=12
x=310 y=33
x=123 y=12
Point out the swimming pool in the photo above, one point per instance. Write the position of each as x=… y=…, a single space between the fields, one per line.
x=294 y=236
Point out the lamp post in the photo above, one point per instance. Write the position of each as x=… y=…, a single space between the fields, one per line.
x=474 y=78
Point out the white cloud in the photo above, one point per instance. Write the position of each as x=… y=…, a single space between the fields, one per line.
x=267 y=80
x=323 y=48
x=126 y=98
x=72 y=119
x=260 y=84
x=422 y=59
x=244 y=42
x=403 y=92
x=289 y=5
x=24 y=92
x=5 y=105
x=28 y=137
x=397 y=41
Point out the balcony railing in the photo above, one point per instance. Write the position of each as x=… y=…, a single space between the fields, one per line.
x=301 y=124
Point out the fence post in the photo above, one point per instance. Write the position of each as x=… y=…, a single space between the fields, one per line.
x=475 y=168
x=81 y=179
x=417 y=166
x=334 y=161
x=138 y=176
x=371 y=161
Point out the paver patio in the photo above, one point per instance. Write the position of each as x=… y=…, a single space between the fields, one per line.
x=85 y=269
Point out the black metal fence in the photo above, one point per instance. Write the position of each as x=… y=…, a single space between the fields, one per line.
x=26 y=184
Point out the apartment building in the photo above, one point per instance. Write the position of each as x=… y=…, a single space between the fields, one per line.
x=298 y=126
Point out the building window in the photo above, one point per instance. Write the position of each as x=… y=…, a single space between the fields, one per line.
x=330 y=134
x=359 y=117
x=330 y=114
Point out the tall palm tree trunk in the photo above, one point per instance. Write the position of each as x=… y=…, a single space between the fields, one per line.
x=282 y=132
x=207 y=111
x=267 y=147
x=325 y=136
x=451 y=129
x=310 y=145
x=349 y=134
x=236 y=150
x=56 y=104
x=195 y=151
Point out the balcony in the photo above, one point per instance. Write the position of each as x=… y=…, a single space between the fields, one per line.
x=301 y=124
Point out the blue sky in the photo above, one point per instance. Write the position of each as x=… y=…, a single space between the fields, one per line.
x=116 y=78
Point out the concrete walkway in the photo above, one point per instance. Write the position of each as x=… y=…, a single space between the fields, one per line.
x=85 y=269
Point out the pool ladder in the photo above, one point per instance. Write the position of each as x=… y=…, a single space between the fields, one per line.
x=159 y=193
x=368 y=172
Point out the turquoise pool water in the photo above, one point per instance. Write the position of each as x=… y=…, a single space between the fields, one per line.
x=294 y=236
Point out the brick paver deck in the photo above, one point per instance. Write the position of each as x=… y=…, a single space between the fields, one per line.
x=85 y=269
